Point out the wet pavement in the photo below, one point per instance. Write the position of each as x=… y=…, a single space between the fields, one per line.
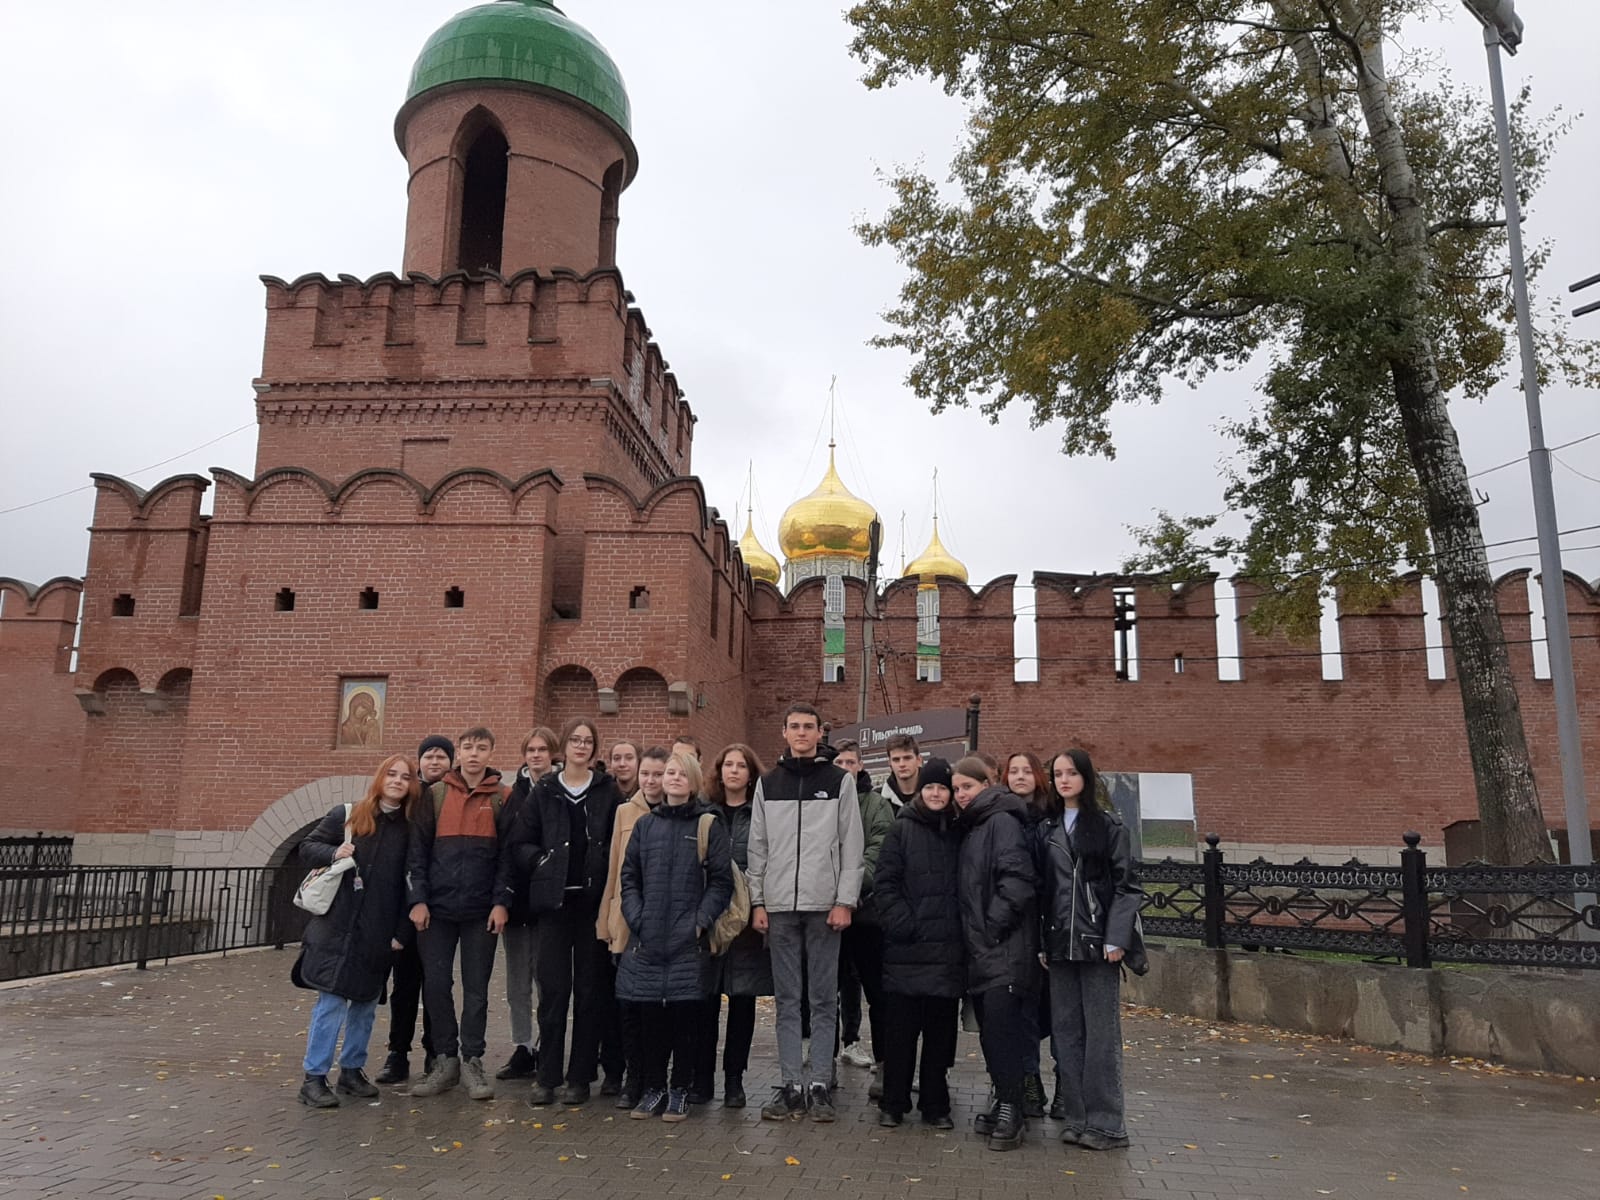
x=181 y=1082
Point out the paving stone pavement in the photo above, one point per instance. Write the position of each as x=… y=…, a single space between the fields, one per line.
x=180 y=1082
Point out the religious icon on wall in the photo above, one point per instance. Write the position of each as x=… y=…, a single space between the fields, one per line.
x=361 y=713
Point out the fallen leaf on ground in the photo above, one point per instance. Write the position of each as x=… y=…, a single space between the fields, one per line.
x=791 y=1161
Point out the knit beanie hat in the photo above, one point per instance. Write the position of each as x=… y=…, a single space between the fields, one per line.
x=437 y=741
x=935 y=770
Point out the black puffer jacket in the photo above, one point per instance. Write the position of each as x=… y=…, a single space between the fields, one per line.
x=1089 y=890
x=347 y=950
x=539 y=845
x=919 y=908
x=745 y=968
x=669 y=900
x=999 y=910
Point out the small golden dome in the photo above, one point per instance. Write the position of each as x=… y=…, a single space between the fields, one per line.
x=763 y=567
x=936 y=561
x=829 y=522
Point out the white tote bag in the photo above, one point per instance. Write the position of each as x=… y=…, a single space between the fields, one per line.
x=321 y=884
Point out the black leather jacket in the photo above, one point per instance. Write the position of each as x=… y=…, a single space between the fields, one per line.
x=1087 y=900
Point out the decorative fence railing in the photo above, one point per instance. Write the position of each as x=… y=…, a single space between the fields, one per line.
x=1543 y=915
x=37 y=853
x=67 y=920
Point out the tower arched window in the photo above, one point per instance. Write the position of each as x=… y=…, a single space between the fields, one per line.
x=483 y=202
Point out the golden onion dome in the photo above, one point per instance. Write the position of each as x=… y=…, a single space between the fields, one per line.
x=763 y=567
x=830 y=522
x=936 y=561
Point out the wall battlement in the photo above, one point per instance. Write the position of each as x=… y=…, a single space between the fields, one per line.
x=433 y=353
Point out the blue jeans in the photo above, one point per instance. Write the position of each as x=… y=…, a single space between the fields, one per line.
x=322 y=1038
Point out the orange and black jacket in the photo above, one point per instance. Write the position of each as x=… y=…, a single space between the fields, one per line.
x=456 y=838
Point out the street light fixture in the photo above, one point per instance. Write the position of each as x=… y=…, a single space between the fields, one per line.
x=1500 y=17
x=1502 y=29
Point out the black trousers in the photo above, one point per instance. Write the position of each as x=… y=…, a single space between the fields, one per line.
x=849 y=999
x=574 y=971
x=668 y=1031
x=614 y=1058
x=707 y=1015
x=438 y=944
x=631 y=1038
x=741 y=1032
x=933 y=1019
x=1003 y=1035
x=861 y=958
x=405 y=996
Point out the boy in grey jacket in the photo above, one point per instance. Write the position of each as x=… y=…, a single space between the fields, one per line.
x=805 y=879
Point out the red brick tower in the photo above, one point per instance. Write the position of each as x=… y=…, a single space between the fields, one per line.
x=470 y=502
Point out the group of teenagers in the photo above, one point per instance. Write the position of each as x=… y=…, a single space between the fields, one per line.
x=634 y=892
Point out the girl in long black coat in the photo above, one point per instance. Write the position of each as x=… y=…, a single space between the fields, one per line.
x=924 y=955
x=349 y=949
x=671 y=897
x=1000 y=924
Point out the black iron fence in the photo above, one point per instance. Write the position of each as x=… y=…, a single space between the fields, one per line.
x=68 y=920
x=35 y=853
x=1544 y=915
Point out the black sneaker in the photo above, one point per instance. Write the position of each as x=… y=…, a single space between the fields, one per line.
x=396 y=1069
x=521 y=1065
x=733 y=1091
x=788 y=1103
x=611 y=1085
x=820 y=1102
x=315 y=1093
x=1032 y=1096
x=938 y=1121
x=574 y=1093
x=889 y=1120
x=629 y=1094
x=652 y=1104
x=701 y=1095
x=353 y=1081
x=677 y=1105
x=541 y=1096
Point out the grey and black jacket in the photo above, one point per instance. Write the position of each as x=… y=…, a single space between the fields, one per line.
x=806 y=841
x=1089 y=893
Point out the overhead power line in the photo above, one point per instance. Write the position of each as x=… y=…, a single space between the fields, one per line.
x=129 y=474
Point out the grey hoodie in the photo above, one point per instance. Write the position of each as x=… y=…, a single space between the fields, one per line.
x=805 y=838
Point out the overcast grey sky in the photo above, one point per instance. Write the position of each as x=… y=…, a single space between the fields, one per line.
x=176 y=151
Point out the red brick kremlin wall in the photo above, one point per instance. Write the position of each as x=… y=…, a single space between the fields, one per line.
x=1280 y=756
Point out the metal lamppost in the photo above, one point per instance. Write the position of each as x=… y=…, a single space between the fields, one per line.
x=1502 y=29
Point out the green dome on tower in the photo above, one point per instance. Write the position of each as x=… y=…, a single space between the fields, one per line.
x=527 y=42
